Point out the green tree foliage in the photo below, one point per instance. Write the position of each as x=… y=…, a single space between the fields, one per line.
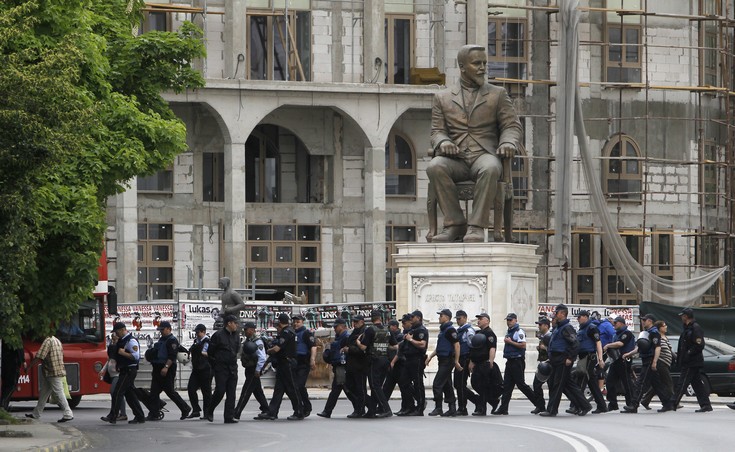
x=80 y=114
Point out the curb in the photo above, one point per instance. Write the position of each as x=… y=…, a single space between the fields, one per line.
x=77 y=442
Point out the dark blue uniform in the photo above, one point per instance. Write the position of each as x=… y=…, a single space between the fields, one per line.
x=515 y=367
x=305 y=341
x=465 y=333
x=168 y=348
x=358 y=366
x=412 y=375
x=223 y=348
x=378 y=339
x=564 y=346
x=285 y=363
x=338 y=361
x=201 y=375
x=128 y=369
x=588 y=336
x=691 y=361
x=442 y=386
x=620 y=370
x=486 y=379
x=649 y=376
x=394 y=373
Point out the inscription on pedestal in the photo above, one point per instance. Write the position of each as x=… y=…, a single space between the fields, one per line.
x=432 y=293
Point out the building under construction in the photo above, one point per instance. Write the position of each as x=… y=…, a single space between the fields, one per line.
x=309 y=143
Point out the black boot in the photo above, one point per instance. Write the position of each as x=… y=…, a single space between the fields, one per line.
x=437 y=411
x=451 y=412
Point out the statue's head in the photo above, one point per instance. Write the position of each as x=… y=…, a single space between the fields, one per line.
x=224 y=283
x=472 y=62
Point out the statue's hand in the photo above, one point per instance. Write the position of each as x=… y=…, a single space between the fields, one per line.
x=506 y=150
x=448 y=148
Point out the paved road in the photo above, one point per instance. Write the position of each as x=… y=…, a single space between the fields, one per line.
x=683 y=430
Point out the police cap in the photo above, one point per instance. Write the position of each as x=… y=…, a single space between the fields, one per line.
x=418 y=313
x=583 y=313
x=283 y=318
x=340 y=322
x=249 y=325
x=200 y=327
x=445 y=312
x=118 y=326
x=481 y=315
x=689 y=312
x=358 y=317
x=461 y=313
x=543 y=320
x=650 y=317
x=298 y=317
x=375 y=314
x=511 y=316
x=619 y=319
x=393 y=322
x=230 y=318
x=163 y=325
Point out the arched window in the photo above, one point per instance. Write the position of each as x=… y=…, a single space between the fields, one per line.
x=400 y=167
x=621 y=169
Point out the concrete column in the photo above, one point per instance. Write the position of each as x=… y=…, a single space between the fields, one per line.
x=234 y=228
x=373 y=23
x=127 y=244
x=375 y=223
x=477 y=22
x=235 y=35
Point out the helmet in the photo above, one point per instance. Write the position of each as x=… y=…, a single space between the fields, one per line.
x=150 y=354
x=249 y=348
x=183 y=358
x=643 y=344
x=543 y=372
x=478 y=341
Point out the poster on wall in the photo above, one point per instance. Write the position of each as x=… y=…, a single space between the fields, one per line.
x=143 y=319
x=629 y=313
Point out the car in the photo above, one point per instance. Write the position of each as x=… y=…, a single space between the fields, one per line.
x=719 y=367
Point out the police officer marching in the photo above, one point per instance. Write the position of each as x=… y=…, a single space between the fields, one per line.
x=563 y=350
x=620 y=368
x=283 y=354
x=544 y=337
x=465 y=332
x=200 y=378
x=305 y=359
x=649 y=348
x=590 y=359
x=486 y=379
x=223 y=348
x=127 y=357
x=164 y=373
x=514 y=351
x=691 y=361
x=391 y=379
x=447 y=351
x=336 y=357
x=398 y=364
x=253 y=359
x=417 y=340
x=376 y=341
x=358 y=366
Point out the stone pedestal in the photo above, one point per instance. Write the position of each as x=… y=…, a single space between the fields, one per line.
x=496 y=278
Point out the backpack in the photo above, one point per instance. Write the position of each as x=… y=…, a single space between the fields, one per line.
x=381 y=342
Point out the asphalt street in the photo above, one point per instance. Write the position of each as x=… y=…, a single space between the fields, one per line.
x=683 y=430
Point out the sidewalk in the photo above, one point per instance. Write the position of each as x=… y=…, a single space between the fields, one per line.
x=40 y=436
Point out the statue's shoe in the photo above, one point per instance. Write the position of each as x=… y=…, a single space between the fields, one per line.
x=450 y=234
x=474 y=235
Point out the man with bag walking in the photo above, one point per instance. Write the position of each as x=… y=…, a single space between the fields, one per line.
x=52 y=355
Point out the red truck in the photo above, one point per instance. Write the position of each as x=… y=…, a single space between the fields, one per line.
x=85 y=348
